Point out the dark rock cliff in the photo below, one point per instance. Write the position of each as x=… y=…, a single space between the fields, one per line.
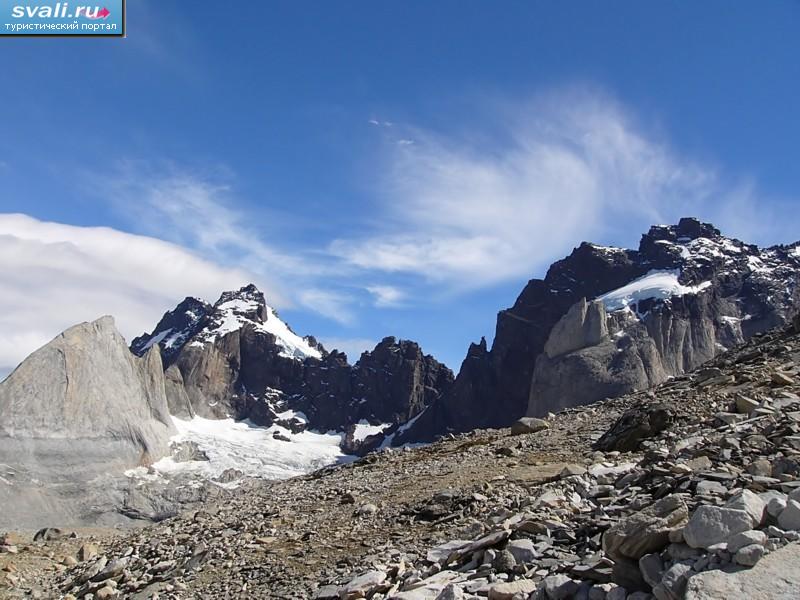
x=723 y=292
x=238 y=359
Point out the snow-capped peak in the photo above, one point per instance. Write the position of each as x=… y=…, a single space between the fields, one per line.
x=246 y=306
x=197 y=323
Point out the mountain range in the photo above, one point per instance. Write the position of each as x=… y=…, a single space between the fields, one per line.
x=603 y=322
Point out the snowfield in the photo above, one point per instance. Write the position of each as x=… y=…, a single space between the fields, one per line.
x=364 y=429
x=659 y=285
x=251 y=449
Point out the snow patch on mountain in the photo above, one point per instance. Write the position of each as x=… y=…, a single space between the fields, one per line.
x=233 y=314
x=657 y=284
x=253 y=450
x=364 y=429
x=156 y=339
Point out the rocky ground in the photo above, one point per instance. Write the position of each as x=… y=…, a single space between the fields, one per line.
x=690 y=490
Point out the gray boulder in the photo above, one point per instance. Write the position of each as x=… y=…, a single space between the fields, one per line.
x=528 y=425
x=646 y=531
x=711 y=525
x=751 y=504
x=775 y=577
x=789 y=517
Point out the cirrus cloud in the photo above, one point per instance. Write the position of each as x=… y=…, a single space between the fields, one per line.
x=524 y=183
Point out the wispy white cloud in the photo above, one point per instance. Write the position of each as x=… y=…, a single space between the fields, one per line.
x=328 y=303
x=57 y=275
x=203 y=214
x=197 y=212
x=501 y=201
x=386 y=295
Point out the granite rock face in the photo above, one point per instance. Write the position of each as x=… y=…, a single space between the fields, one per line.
x=685 y=295
x=79 y=408
x=86 y=392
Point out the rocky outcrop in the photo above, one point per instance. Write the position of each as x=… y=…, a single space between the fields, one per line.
x=80 y=407
x=390 y=384
x=174 y=329
x=237 y=358
x=85 y=393
x=583 y=325
x=686 y=294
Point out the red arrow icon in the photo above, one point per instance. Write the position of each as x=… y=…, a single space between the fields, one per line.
x=101 y=14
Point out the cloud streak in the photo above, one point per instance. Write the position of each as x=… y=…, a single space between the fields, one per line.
x=500 y=202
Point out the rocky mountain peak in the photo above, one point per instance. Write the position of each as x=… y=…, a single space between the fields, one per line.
x=174 y=329
x=247 y=302
x=687 y=293
x=197 y=323
x=687 y=229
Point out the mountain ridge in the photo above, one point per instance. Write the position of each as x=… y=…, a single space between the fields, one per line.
x=237 y=358
x=493 y=387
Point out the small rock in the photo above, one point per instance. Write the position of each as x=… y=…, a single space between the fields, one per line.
x=113 y=568
x=646 y=531
x=50 y=534
x=789 y=517
x=617 y=593
x=87 y=552
x=781 y=379
x=366 y=510
x=572 y=470
x=10 y=539
x=522 y=550
x=364 y=585
x=328 y=592
x=559 y=587
x=746 y=538
x=745 y=405
x=451 y=592
x=706 y=487
x=749 y=555
x=529 y=425
x=509 y=591
x=652 y=569
x=675 y=579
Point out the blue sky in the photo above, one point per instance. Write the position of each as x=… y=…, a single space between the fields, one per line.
x=380 y=168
